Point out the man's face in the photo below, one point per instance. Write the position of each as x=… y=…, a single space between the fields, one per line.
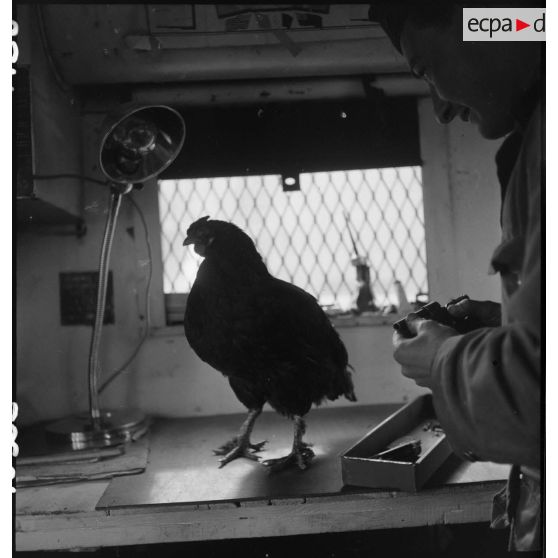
x=466 y=76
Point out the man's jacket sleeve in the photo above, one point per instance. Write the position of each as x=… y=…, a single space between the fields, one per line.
x=486 y=384
x=487 y=395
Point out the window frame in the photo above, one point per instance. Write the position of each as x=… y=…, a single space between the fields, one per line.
x=441 y=254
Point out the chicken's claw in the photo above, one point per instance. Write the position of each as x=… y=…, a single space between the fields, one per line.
x=258 y=447
x=300 y=456
x=240 y=451
x=229 y=446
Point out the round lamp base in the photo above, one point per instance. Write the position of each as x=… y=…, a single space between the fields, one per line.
x=116 y=427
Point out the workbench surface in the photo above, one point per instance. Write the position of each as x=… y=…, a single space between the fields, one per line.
x=184 y=496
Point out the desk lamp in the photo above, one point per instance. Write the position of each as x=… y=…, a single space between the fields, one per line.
x=138 y=143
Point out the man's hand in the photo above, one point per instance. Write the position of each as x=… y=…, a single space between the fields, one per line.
x=485 y=312
x=417 y=354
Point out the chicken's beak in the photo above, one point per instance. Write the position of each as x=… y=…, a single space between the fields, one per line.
x=200 y=244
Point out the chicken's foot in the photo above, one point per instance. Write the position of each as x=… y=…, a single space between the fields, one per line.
x=301 y=455
x=240 y=446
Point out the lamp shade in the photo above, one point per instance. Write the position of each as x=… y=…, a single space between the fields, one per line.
x=140 y=141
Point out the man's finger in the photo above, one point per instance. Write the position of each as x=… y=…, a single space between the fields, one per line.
x=402 y=345
x=412 y=321
x=488 y=313
x=460 y=309
x=398 y=339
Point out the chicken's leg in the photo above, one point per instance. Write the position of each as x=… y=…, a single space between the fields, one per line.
x=240 y=445
x=301 y=454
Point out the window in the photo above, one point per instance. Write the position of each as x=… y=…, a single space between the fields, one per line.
x=303 y=235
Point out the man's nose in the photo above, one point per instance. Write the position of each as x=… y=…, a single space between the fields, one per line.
x=445 y=111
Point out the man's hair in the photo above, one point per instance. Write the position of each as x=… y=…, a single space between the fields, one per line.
x=393 y=14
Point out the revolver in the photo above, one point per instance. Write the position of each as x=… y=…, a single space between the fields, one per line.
x=434 y=311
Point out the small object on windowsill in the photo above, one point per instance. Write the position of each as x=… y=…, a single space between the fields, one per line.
x=365 y=297
x=422 y=299
x=408 y=452
x=390 y=309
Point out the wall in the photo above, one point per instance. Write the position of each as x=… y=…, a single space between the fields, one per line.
x=461 y=207
x=52 y=359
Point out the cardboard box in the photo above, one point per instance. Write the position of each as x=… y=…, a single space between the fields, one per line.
x=415 y=421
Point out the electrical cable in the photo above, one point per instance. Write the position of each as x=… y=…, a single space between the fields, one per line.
x=129 y=197
x=129 y=360
x=62 y=85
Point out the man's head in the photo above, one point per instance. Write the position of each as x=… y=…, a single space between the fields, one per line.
x=483 y=81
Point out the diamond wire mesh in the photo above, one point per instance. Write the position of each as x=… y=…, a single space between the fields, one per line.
x=303 y=235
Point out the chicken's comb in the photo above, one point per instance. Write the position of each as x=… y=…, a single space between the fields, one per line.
x=200 y=220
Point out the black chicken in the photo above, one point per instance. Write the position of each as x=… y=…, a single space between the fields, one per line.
x=271 y=339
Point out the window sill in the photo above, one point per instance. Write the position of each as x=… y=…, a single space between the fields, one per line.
x=340 y=322
x=365 y=320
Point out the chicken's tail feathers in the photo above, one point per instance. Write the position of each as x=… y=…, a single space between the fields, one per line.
x=342 y=384
x=349 y=391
